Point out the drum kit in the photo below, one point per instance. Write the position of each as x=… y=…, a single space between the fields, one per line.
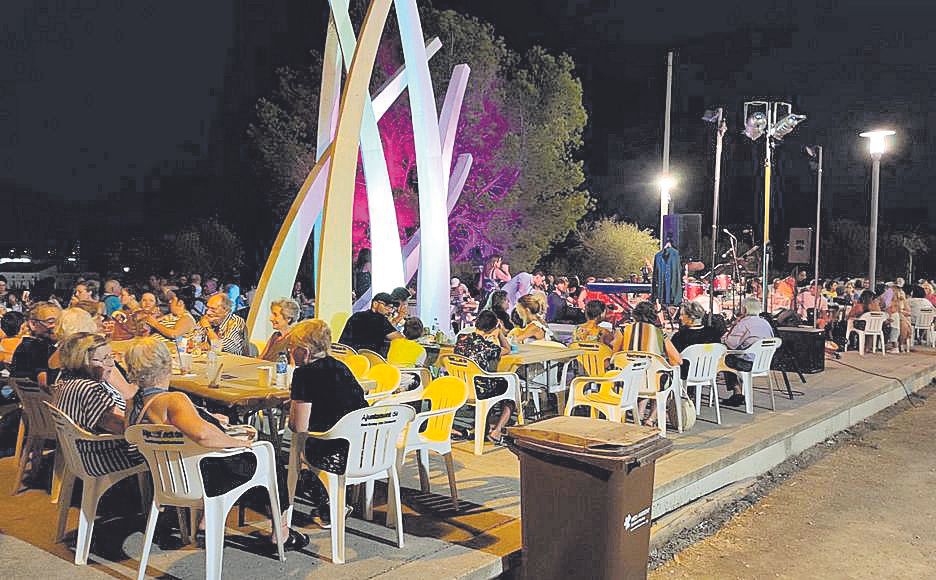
x=729 y=281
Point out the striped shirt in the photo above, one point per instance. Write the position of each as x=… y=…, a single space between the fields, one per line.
x=86 y=401
x=643 y=337
x=233 y=334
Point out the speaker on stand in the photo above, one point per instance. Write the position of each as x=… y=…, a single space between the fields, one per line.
x=799 y=250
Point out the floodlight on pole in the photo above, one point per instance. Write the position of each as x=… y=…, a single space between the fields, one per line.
x=877 y=145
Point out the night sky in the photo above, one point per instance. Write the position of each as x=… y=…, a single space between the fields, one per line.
x=104 y=96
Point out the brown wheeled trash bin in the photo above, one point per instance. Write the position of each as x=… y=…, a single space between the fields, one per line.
x=586 y=486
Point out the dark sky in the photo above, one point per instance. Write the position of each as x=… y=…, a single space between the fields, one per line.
x=98 y=94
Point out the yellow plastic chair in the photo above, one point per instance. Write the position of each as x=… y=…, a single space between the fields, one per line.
x=357 y=363
x=387 y=378
x=594 y=362
x=468 y=371
x=405 y=353
x=340 y=351
x=617 y=392
x=375 y=358
x=432 y=431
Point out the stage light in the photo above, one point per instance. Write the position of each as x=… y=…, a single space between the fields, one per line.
x=755 y=125
x=786 y=125
x=877 y=140
x=666 y=183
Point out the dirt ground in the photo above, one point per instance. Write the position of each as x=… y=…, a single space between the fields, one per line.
x=862 y=507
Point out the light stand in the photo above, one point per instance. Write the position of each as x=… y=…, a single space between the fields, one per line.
x=718 y=118
x=877 y=146
x=815 y=151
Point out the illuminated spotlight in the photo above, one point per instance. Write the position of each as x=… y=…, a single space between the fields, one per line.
x=755 y=125
x=126 y=269
x=786 y=125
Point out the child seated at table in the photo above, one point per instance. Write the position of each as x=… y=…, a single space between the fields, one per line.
x=406 y=352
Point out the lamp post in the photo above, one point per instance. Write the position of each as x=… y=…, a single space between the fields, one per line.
x=877 y=146
x=716 y=117
x=666 y=183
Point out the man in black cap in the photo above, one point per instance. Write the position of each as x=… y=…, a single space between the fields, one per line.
x=371 y=329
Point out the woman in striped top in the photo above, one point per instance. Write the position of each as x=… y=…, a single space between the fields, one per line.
x=645 y=335
x=178 y=322
x=84 y=393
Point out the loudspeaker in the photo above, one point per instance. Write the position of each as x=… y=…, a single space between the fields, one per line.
x=685 y=231
x=799 y=249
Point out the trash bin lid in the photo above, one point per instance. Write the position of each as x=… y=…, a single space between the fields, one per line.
x=606 y=444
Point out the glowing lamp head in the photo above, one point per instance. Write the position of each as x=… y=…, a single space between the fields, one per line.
x=666 y=182
x=877 y=140
x=755 y=125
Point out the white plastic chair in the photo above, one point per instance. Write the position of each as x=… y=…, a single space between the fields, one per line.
x=468 y=371
x=539 y=383
x=617 y=392
x=763 y=351
x=173 y=460
x=36 y=429
x=923 y=324
x=339 y=351
x=704 y=364
x=874 y=327
x=372 y=434
x=92 y=487
x=653 y=379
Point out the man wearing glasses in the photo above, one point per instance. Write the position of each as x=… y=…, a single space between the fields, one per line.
x=371 y=329
x=221 y=324
x=32 y=355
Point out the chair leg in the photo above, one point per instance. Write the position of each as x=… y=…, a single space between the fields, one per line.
x=698 y=398
x=277 y=516
x=661 y=398
x=480 y=427
x=148 y=539
x=747 y=387
x=678 y=404
x=214 y=540
x=336 y=506
x=20 y=439
x=58 y=467
x=369 y=500
x=422 y=461
x=65 y=496
x=90 y=494
x=26 y=451
x=450 y=469
x=393 y=496
x=770 y=385
x=717 y=406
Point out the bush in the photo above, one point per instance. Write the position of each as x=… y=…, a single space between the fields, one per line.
x=606 y=247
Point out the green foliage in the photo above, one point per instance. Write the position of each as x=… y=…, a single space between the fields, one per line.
x=207 y=246
x=606 y=247
x=844 y=249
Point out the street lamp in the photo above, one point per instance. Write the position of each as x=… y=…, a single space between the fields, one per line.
x=776 y=120
x=877 y=146
x=666 y=183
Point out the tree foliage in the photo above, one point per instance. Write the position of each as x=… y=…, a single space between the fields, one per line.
x=606 y=247
x=522 y=121
x=207 y=246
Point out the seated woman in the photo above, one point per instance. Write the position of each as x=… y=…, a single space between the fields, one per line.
x=692 y=330
x=323 y=391
x=530 y=309
x=406 y=352
x=14 y=328
x=591 y=330
x=179 y=321
x=645 y=335
x=150 y=366
x=485 y=347
x=499 y=304
x=84 y=393
x=283 y=314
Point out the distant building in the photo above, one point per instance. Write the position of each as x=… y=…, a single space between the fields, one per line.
x=22 y=275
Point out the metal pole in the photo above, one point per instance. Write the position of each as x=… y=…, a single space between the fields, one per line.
x=764 y=285
x=719 y=133
x=664 y=190
x=872 y=249
x=818 y=237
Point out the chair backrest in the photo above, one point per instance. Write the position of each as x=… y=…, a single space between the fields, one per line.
x=464 y=369
x=357 y=363
x=443 y=393
x=372 y=434
x=39 y=422
x=339 y=351
x=874 y=321
x=594 y=361
x=173 y=462
x=70 y=436
x=632 y=378
x=387 y=378
x=763 y=351
x=925 y=318
x=703 y=361
x=373 y=357
x=656 y=366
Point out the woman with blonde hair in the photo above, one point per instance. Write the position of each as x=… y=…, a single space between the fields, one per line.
x=531 y=309
x=84 y=393
x=323 y=391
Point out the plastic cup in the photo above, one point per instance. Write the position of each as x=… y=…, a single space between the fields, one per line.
x=185 y=362
x=265 y=376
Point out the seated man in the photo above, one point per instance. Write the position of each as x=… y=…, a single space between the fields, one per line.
x=13 y=325
x=220 y=323
x=749 y=328
x=371 y=329
x=32 y=355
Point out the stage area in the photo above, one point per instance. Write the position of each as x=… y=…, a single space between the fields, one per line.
x=484 y=537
